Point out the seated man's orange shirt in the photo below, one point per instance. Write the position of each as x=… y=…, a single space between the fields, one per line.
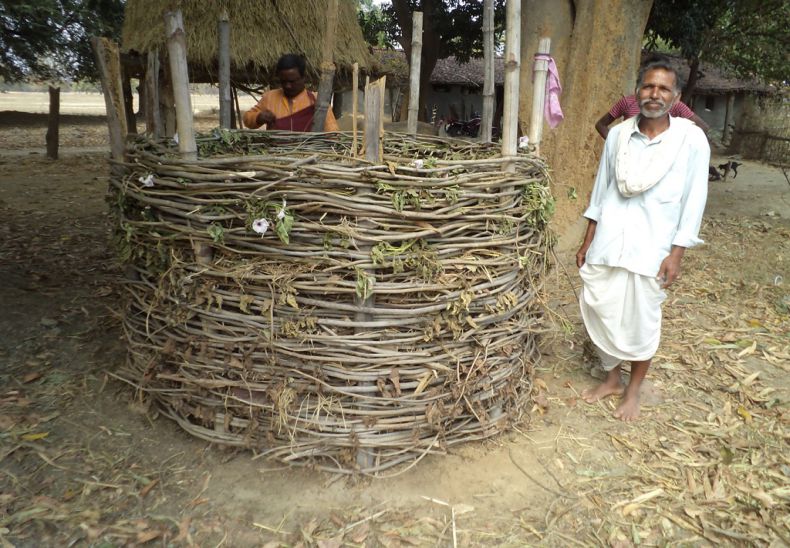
x=276 y=101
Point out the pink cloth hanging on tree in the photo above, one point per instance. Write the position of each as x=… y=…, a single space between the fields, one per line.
x=551 y=109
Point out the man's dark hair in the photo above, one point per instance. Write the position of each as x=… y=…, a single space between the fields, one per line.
x=291 y=61
x=658 y=61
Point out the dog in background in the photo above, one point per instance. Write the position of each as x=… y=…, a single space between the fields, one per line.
x=730 y=166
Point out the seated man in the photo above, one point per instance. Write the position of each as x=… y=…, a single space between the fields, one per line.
x=291 y=107
x=627 y=107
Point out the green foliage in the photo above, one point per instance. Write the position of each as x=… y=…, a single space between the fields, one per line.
x=50 y=39
x=457 y=25
x=283 y=228
x=415 y=255
x=275 y=213
x=364 y=284
x=216 y=232
x=750 y=38
x=538 y=204
x=376 y=24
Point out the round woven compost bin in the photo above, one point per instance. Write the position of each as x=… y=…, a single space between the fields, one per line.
x=387 y=312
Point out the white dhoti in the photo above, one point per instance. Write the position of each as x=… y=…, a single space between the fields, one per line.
x=622 y=313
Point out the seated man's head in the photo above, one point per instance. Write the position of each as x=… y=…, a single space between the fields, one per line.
x=658 y=87
x=290 y=71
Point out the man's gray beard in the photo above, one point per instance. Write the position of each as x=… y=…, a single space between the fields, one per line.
x=653 y=113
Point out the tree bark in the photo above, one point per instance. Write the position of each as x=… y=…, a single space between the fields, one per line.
x=53 y=127
x=691 y=84
x=597 y=57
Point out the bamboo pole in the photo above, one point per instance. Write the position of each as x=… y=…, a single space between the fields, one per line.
x=414 y=76
x=354 y=92
x=179 y=73
x=374 y=129
x=153 y=112
x=487 y=120
x=225 y=99
x=512 y=62
x=327 y=69
x=109 y=65
x=53 y=123
x=539 y=94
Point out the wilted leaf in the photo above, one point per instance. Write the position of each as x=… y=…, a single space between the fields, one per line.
x=244 y=303
x=36 y=436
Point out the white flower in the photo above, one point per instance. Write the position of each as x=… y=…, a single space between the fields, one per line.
x=418 y=164
x=147 y=181
x=175 y=138
x=281 y=214
x=260 y=226
x=523 y=142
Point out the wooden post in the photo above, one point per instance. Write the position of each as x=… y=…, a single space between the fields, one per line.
x=109 y=64
x=414 y=75
x=177 y=50
x=327 y=69
x=539 y=95
x=728 y=115
x=53 y=123
x=374 y=128
x=225 y=100
x=374 y=123
x=512 y=62
x=354 y=92
x=153 y=111
x=487 y=119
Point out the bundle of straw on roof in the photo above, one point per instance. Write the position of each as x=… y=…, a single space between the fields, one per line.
x=261 y=31
x=346 y=307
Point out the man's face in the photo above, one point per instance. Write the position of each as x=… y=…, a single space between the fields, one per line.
x=291 y=81
x=656 y=94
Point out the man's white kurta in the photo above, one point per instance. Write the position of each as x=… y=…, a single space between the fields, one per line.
x=621 y=310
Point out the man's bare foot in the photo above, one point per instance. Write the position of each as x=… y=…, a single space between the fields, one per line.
x=611 y=385
x=628 y=409
x=605 y=389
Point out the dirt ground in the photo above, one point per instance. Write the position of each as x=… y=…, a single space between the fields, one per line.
x=83 y=464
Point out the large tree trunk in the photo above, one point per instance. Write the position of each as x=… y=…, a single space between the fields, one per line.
x=597 y=57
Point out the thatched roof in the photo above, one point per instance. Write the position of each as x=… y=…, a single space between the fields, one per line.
x=448 y=71
x=261 y=31
x=471 y=74
x=714 y=80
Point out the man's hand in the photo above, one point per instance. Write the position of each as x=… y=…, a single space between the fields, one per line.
x=265 y=117
x=670 y=267
x=581 y=255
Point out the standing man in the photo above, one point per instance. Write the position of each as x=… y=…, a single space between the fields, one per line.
x=291 y=107
x=645 y=210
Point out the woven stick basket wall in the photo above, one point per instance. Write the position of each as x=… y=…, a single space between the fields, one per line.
x=288 y=297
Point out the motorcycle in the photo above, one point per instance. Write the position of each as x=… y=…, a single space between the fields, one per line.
x=468 y=128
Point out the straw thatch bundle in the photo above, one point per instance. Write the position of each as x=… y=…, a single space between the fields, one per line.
x=388 y=312
x=261 y=31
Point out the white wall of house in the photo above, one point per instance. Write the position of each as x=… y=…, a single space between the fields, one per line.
x=713 y=109
x=464 y=102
